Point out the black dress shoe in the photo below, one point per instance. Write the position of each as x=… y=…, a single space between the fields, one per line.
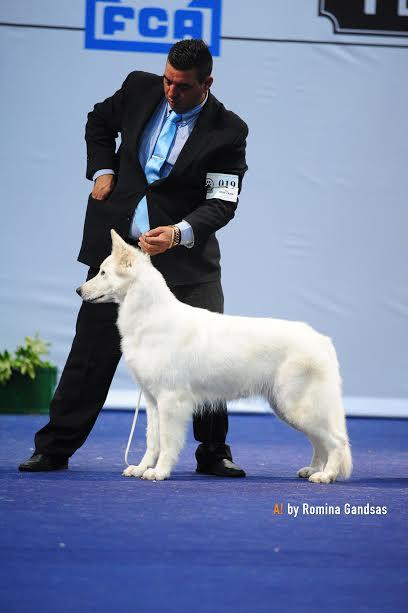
x=39 y=462
x=221 y=468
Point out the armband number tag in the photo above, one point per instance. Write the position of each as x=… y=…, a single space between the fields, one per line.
x=222 y=186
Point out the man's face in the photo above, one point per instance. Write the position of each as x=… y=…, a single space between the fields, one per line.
x=182 y=89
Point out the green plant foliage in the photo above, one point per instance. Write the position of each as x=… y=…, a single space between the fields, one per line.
x=25 y=360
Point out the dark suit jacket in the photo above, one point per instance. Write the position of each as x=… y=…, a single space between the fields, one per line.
x=216 y=144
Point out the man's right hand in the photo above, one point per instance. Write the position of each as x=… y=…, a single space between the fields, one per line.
x=103 y=187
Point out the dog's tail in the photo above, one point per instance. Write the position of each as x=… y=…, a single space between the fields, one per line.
x=346 y=465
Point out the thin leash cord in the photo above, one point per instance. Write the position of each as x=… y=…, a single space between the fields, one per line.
x=132 y=429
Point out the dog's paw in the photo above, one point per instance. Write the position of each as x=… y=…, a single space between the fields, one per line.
x=306 y=472
x=128 y=472
x=134 y=471
x=154 y=475
x=321 y=477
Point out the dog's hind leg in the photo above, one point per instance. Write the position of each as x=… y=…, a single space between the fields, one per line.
x=310 y=402
x=336 y=448
x=329 y=441
x=152 y=440
x=318 y=461
x=175 y=409
x=329 y=445
x=328 y=452
x=327 y=426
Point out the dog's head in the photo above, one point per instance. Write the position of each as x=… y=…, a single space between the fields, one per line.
x=115 y=275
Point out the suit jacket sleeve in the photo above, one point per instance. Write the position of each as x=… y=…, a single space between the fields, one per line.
x=102 y=128
x=212 y=214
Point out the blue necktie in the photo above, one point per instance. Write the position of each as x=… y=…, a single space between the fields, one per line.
x=153 y=168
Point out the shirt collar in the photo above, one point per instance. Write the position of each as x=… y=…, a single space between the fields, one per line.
x=185 y=117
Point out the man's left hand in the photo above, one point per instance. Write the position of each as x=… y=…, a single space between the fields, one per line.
x=157 y=240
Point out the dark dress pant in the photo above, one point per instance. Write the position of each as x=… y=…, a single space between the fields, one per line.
x=89 y=370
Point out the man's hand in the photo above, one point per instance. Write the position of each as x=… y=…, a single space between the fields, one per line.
x=157 y=240
x=103 y=187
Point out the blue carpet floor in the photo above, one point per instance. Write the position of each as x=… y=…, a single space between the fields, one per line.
x=87 y=539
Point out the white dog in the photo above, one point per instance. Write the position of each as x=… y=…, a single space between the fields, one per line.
x=183 y=356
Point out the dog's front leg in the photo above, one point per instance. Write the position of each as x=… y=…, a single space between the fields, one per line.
x=152 y=440
x=174 y=412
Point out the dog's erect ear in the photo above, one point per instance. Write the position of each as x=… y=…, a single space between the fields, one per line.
x=123 y=254
x=116 y=239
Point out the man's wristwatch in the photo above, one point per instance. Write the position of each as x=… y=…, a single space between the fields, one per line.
x=176 y=236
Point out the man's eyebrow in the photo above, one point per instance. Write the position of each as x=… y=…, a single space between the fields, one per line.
x=178 y=84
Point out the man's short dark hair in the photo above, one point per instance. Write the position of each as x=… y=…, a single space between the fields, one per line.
x=189 y=54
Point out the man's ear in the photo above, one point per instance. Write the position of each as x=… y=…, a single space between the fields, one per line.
x=208 y=81
x=123 y=254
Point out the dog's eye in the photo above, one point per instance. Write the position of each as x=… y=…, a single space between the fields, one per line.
x=102 y=272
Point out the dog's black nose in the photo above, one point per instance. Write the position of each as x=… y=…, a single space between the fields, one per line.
x=78 y=291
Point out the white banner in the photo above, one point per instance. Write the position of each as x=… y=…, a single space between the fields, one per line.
x=320 y=230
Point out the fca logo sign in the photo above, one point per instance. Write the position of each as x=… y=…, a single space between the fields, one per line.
x=151 y=25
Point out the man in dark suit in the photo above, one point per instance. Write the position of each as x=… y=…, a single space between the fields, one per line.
x=173 y=182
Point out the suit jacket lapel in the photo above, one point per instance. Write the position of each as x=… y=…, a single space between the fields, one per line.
x=198 y=138
x=142 y=116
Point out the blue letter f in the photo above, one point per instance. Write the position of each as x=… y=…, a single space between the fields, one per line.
x=110 y=24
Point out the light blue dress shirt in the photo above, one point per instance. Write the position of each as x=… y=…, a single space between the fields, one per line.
x=146 y=148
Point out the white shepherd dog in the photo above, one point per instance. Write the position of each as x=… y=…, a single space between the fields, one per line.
x=183 y=356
